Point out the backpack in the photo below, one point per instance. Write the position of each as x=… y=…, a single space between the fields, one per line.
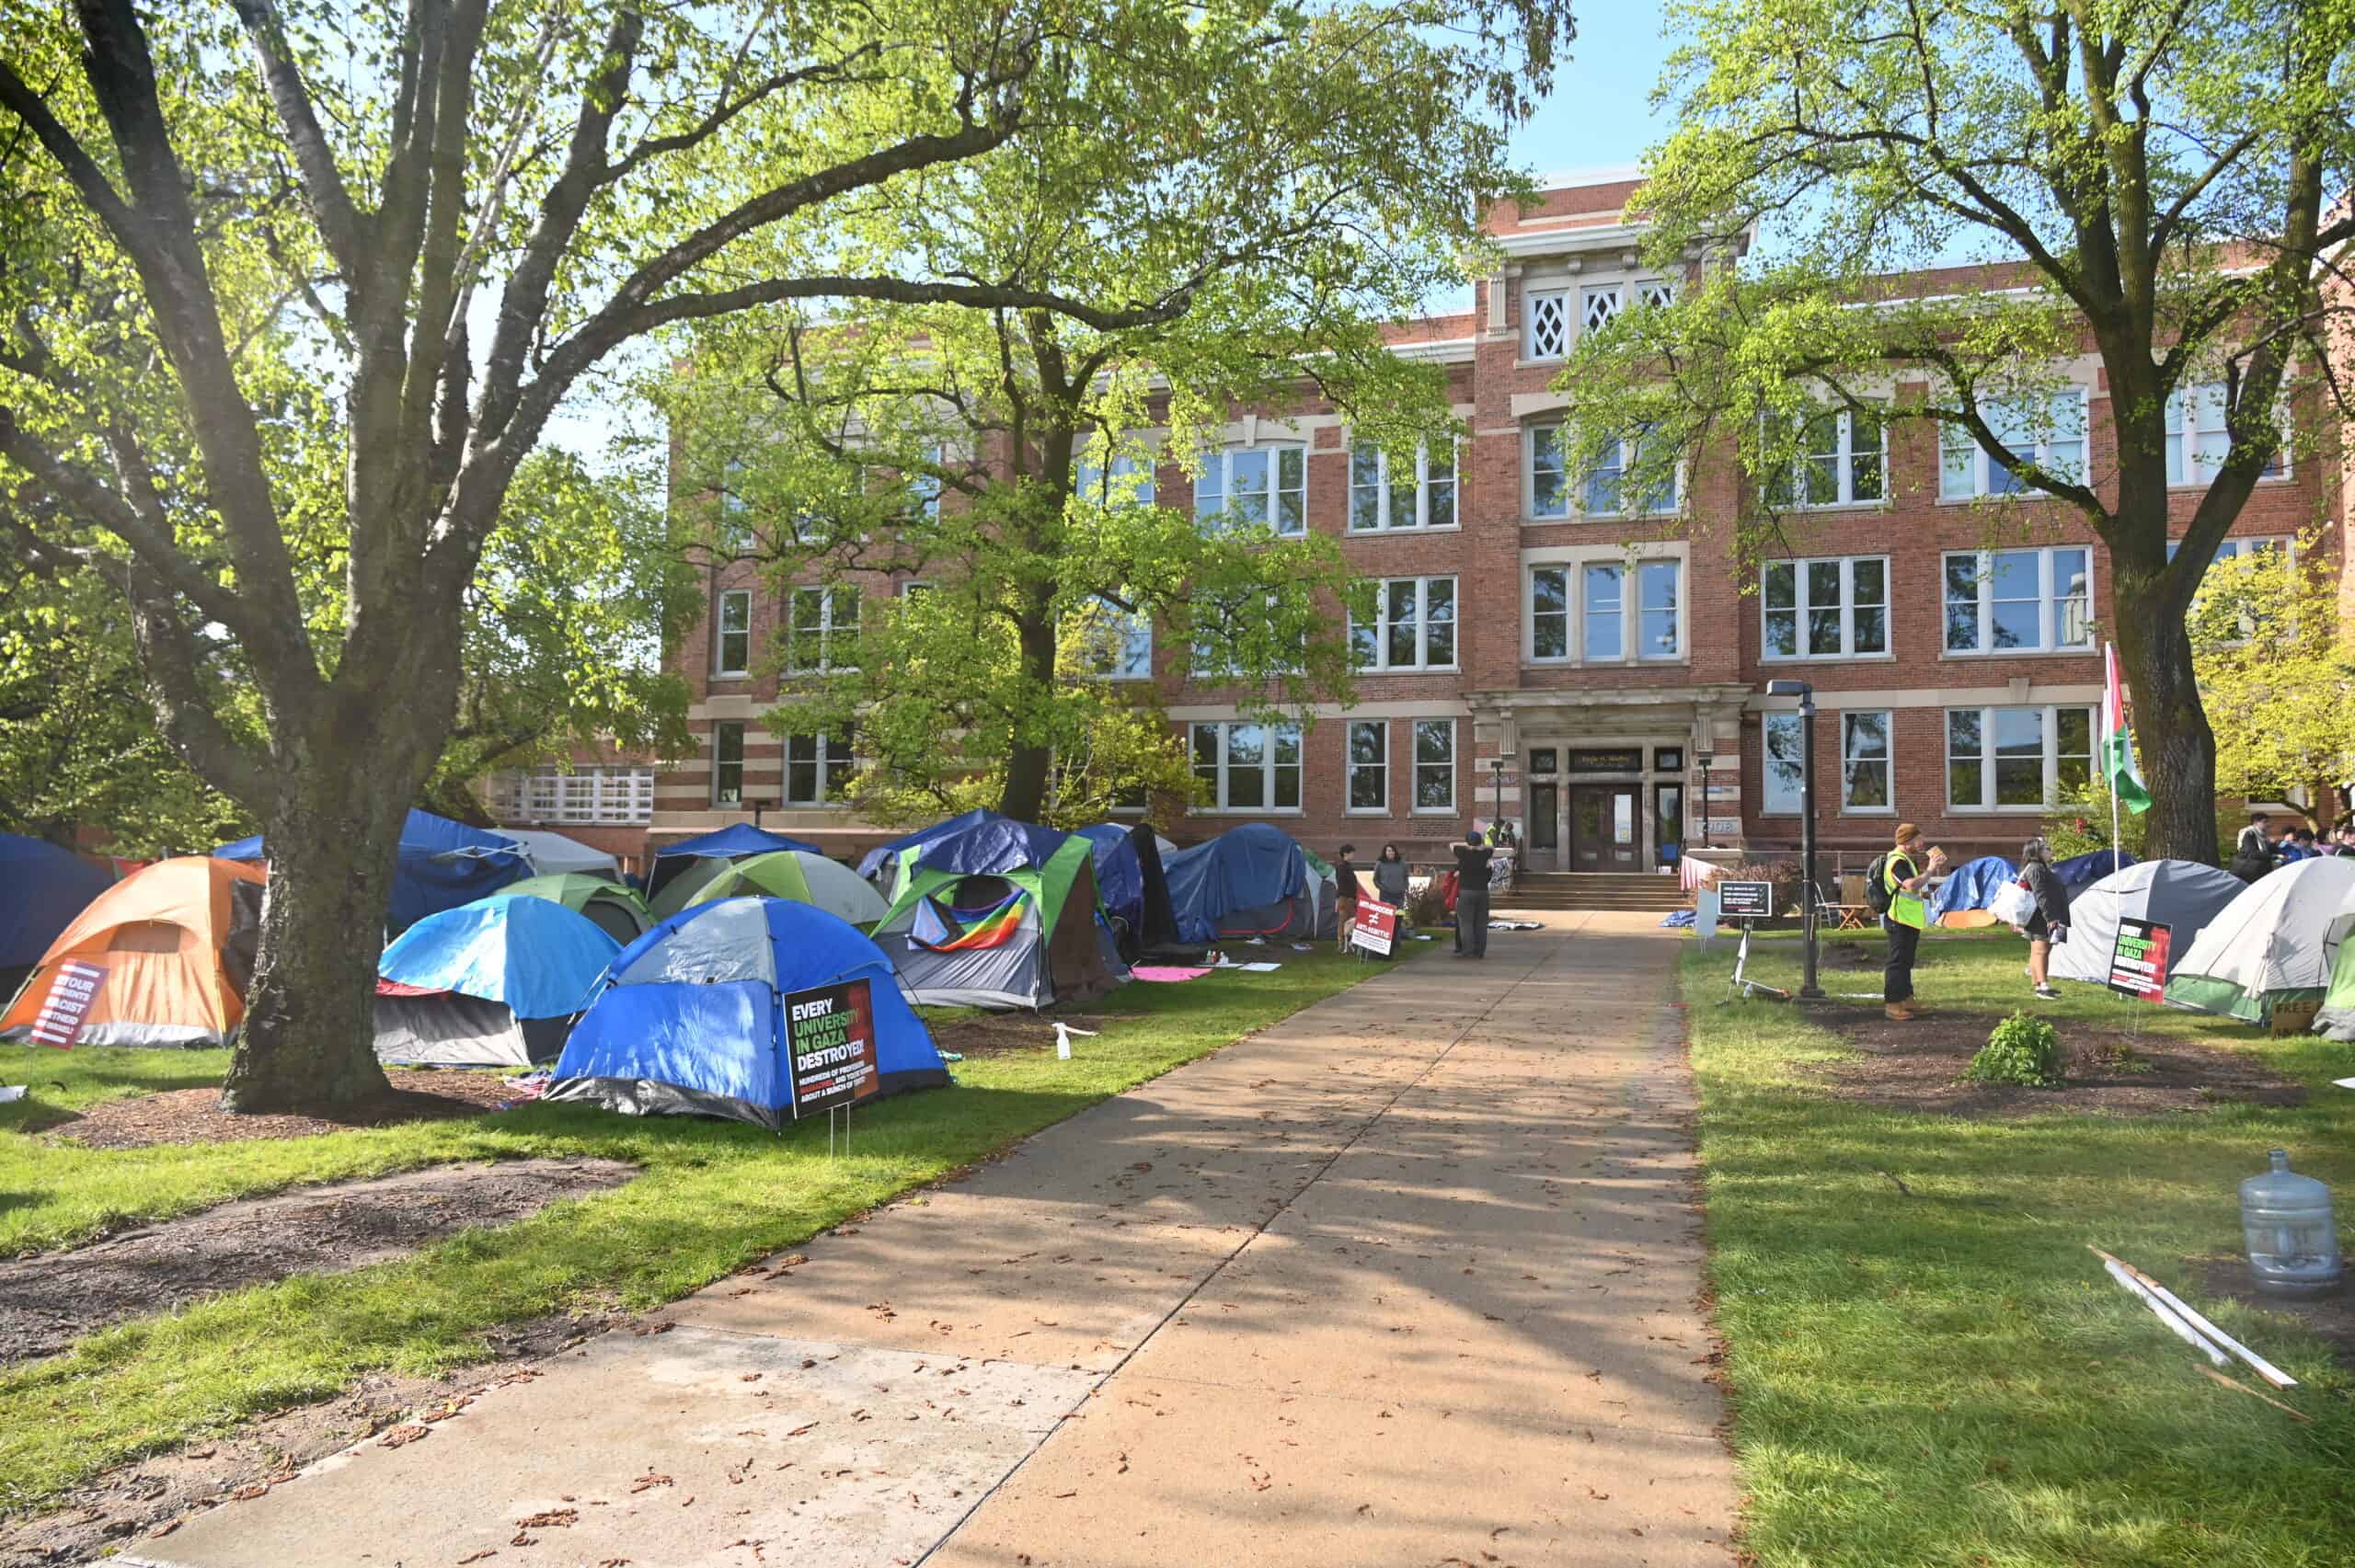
x=1877 y=895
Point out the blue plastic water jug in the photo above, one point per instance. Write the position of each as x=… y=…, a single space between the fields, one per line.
x=2292 y=1240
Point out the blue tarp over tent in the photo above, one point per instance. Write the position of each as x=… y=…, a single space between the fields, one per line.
x=47 y=887
x=1246 y=868
x=736 y=841
x=976 y=844
x=441 y=864
x=537 y=957
x=1972 y=885
x=2085 y=870
x=690 y=1020
x=1120 y=876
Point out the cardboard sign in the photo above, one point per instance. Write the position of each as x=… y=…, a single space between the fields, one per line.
x=71 y=992
x=830 y=1039
x=1375 y=927
x=1745 y=900
x=2295 y=1016
x=2138 y=961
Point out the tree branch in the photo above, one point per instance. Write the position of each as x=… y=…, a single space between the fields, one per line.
x=340 y=223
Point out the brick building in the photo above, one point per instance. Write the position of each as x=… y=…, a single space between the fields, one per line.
x=1577 y=660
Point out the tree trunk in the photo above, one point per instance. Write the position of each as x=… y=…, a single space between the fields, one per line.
x=1029 y=763
x=2172 y=739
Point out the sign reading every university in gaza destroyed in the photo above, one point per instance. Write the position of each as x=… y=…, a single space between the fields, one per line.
x=2138 y=962
x=829 y=1034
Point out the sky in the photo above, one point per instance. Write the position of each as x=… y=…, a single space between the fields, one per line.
x=1600 y=114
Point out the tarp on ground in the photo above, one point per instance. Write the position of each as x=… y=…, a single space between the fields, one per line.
x=43 y=887
x=1971 y=885
x=689 y=1020
x=560 y=854
x=175 y=940
x=805 y=878
x=616 y=908
x=2085 y=870
x=440 y=864
x=2182 y=895
x=1252 y=880
x=2273 y=943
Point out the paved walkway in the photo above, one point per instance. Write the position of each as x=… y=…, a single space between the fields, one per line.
x=1406 y=1280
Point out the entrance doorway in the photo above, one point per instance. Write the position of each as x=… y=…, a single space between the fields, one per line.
x=1605 y=834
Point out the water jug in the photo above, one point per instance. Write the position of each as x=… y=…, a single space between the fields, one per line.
x=2292 y=1242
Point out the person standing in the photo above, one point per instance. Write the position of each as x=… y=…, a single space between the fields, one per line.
x=2051 y=917
x=2252 y=842
x=1390 y=877
x=1472 y=857
x=1904 y=870
x=1344 y=888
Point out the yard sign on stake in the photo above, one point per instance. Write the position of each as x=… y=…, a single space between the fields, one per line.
x=829 y=1041
x=73 y=990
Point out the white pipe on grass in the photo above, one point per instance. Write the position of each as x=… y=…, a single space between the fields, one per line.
x=2265 y=1368
x=2184 y=1331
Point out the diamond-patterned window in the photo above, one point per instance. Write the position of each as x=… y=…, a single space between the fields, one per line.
x=1602 y=304
x=1658 y=294
x=1549 y=325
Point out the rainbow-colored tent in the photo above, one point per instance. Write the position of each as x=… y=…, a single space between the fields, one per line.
x=1023 y=936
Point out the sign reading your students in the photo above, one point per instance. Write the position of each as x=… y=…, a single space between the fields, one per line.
x=1375 y=929
x=73 y=990
x=2138 y=963
x=829 y=1036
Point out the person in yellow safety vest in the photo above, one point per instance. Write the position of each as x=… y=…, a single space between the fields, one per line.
x=1905 y=870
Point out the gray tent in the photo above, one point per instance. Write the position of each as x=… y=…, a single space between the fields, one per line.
x=2181 y=895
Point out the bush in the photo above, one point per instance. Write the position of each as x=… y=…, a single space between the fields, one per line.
x=2022 y=1050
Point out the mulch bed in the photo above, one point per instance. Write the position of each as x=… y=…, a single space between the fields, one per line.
x=1918 y=1067
x=1000 y=1034
x=194 y=1116
x=2332 y=1318
x=48 y=1301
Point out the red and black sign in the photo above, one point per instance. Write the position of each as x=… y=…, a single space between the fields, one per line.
x=1375 y=927
x=830 y=1037
x=2138 y=963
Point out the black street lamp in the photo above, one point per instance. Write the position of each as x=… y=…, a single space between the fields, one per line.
x=1809 y=899
x=1498 y=766
x=1704 y=759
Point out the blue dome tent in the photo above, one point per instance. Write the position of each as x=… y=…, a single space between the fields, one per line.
x=441 y=865
x=489 y=984
x=47 y=887
x=1252 y=880
x=690 y=1019
x=976 y=844
x=1119 y=875
x=682 y=868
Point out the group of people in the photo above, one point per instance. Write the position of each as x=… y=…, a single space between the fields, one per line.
x=2267 y=845
x=1906 y=872
x=1473 y=856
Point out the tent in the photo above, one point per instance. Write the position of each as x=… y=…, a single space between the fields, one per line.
x=615 y=907
x=2182 y=895
x=440 y=864
x=175 y=941
x=1962 y=899
x=803 y=878
x=1131 y=882
x=1326 y=883
x=558 y=854
x=691 y=1018
x=970 y=843
x=2085 y=870
x=2273 y=943
x=2336 y=1019
x=46 y=888
x=1024 y=936
x=1252 y=880
x=489 y=984
x=701 y=858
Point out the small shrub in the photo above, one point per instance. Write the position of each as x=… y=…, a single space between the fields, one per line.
x=2022 y=1050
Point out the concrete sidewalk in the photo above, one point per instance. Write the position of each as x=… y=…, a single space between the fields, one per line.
x=1407 y=1277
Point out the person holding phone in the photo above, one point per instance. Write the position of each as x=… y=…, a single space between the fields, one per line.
x=1904 y=870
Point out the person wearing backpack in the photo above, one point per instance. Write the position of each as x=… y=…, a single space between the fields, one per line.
x=1903 y=870
x=2049 y=921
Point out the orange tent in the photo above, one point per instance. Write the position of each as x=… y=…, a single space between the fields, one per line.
x=166 y=939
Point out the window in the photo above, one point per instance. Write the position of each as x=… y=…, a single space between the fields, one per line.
x=1549 y=325
x=1260 y=485
x=2198 y=441
x=600 y=794
x=1657 y=293
x=2019 y=601
x=2017 y=759
x=1832 y=608
x=732 y=650
x=1600 y=306
x=1604 y=491
x=1224 y=623
x=727 y=763
x=1545 y=760
x=1369 y=765
x=825 y=630
x=1435 y=765
x=1598 y=621
x=1249 y=767
x=734 y=535
x=924 y=487
x=1549 y=473
x=1119 y=642
x=2234 y=549
x=1842 y=460
x=2048 y=430
x=1864 y=761
x=1415 y=629
x=1377 y=502
x=1128 y=480
x=1785 y=757
x=816 y=768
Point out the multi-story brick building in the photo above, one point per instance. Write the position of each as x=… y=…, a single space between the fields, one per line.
x=1585 y=662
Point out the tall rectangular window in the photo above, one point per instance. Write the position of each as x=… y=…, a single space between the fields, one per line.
x=817 y=768
x=1368 y=742
x=1842 y=460
x=1549 y=612
x=1657 y=584
x=1548 y=337
x=727 y=763
x=2017 y=759
x=1255 y=486
x=1249 y=767
x=1782 y=787
x=1416 y=625
x=2199 y=439
x=1383 y=497
x=1603 y=610
x=1119 y=642
x=1549 y=472
x=2019 y=601
x=824 y=635
x=1833 y=607
x=1435 y=765
x=1864 y=761
x=732 y=635
x=2049 y=430
x=1600 y=308
x=1606 y=491
x=1580 y=612
x=1128 y=480
x=923 y=485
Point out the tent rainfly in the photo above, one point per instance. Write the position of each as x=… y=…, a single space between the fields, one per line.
x=2182 y=895
x=47 y=887
x=560 y=854
x=2273 y=943
x=803 y=878
x=175 y=941
x=440 y=865
x=490 y=984
x=1024 y=936
x=1252 y=880
x=698 y=860
x=616 y=908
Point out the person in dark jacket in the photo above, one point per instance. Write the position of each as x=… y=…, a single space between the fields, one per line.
x=1345 y=890
x=2050 y=922
x=1390 y=877
x=1472 y=857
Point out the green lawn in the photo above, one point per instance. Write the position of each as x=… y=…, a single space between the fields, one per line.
x=714 y=1195
x=1949 y=1378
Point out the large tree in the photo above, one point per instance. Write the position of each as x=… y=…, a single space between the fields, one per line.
x=1239 y=233
x=2162 y=183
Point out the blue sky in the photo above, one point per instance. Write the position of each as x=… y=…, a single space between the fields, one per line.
x=1600 y=113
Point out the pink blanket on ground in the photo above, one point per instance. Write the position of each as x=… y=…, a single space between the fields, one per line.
x=1168 y=974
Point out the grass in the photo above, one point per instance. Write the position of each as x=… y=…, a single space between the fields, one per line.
x=712 y=1196
x=1948 y=1377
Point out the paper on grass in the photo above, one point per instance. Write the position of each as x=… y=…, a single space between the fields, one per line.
x=1247 y=969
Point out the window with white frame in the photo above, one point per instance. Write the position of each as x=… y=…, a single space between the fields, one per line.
x=734 y=536
x=923 y=485
x=1549 y=325
x=1119 y=642
x=817 y=769
x=1842 y=460
x=1579 y=610
x=1414 y=628
x=1604 y=491
x=731 y=652
x=605 y=795
x=1835 y=606
x=728 y=762
x=1598 y=307
x=1224 y=622
x=2019 y=601
x=1248 y=766
x=1660 y=618
x=1864 y=761
x=2234 y=549
x=824 y=630
x=1547 y=461
x=2017 y=759
x=1369 y=750
x=1656 y=293
x=2198 y=441
x=1255 y=484
x=2049 y=430
x=1782 y=786
x=1381 y=500
x=1128 y=480
x=1434 y=765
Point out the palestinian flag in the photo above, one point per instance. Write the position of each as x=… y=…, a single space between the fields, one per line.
x=2118 y=768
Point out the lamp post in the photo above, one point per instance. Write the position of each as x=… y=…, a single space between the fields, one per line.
x=1703 y=758
x=1807 y=896
x=758 y=806
x=1497 y=767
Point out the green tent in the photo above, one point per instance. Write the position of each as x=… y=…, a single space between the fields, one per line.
x=1023 y=937
x=615 y=907
x=791 y=874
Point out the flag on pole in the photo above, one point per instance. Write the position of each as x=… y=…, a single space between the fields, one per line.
x=2118 y=767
